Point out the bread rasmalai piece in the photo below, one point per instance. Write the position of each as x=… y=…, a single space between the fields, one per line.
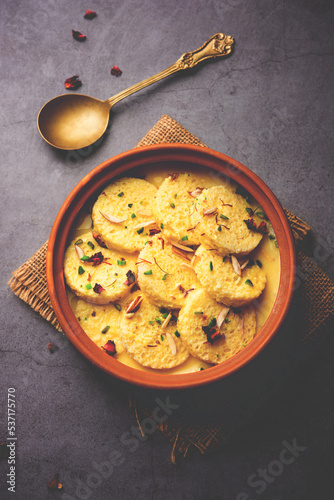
x=149 y=334
x=100 y=322
x=122 y=212
x=199 y=321
x=97 y=274
x=165 y=274
x=229 y=279
x=219 y=220
x=174 y=203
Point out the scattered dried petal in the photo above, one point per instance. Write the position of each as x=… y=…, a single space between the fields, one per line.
x=115 y=71
x=96 y=259
x=171 y=343
x=52 y=347
x=72 y=83
x=250 y=223
x=236 y=265
x=98 y=240
x=262 y=228
x=111 y=218
x=154 y=231
x=131 y=278
x=173 y=176
x=90 y=14
x=98 y=288
x=78 y=36
x=54 y=484
x=110 y=348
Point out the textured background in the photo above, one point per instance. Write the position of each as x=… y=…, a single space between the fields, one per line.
x=270 y=106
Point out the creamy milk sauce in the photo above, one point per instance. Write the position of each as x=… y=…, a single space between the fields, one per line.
x=266 y=252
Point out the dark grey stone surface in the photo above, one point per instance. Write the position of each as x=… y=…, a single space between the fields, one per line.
x=270 y=106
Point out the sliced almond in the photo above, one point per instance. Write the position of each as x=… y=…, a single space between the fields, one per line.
x=134 y=305
x=196 y=192
x=179 y=252
x=222 y=315
x=145 y=211
x=167 y=320
x=210 y=211
x=188 y=266
x=80 y=252
x=171 y=343
x=181 y=247
x=236 y=265
x=145 y=224
x=111 y=218
x=244 y=265
x=241 y=325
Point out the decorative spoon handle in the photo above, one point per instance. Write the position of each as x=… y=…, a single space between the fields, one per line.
x=218 y=45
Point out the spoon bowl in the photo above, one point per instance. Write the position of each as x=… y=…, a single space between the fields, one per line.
x=75 y=121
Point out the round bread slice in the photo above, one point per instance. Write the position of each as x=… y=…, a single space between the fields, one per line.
x=100 y=323
x=150 y=334
x=97 y=274
x=174 y=204
x=199 y=321
x=122 y=215
x=229 y=279
x=165 y=274
x=219 y=220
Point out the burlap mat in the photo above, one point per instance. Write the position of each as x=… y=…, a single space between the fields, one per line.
x=317 y=301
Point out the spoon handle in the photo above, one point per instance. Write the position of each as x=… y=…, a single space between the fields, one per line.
x=218 y=45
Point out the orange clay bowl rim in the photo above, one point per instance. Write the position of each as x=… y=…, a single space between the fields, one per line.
x=92 y=184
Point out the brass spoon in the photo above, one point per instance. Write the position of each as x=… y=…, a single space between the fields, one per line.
x=74 y=121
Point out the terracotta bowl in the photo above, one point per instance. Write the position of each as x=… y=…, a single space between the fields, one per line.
x=170 y=156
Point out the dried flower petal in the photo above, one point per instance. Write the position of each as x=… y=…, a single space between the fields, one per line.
x=262 y=228
x=96 y=259
x=98 y=240
x=110 y=348
x=78 y=36
x=250 y=223
x=131 y=278
x=173 y=176
x=115 y=71
x=52 y=347
x=54 y=484
x=98 y=288
x=111 y=218
x=90 y=14
x=171 y=343
x=212 y=333
x=72 y=83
